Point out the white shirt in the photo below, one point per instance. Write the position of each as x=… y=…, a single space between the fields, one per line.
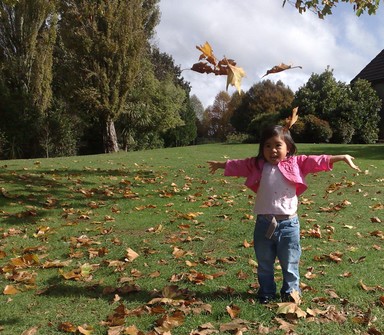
x=276 y=195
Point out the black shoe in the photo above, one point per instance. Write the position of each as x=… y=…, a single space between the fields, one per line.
x=287 y=298
x=264 y=300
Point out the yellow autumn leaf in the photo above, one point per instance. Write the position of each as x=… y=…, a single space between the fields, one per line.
x=85 y=329
x=234 y=77
x=207 y=53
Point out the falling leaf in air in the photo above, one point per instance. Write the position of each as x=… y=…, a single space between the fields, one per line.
x=235 y=74
x=208 y=63
x=279 y=68
x=290 y=121
x=207 y=53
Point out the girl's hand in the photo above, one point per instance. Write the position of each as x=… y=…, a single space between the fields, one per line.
x=214 y=165
x=349 y=160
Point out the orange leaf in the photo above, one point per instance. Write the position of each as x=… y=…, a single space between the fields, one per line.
x=10 y=290
x=67 y=327
x=289 y=122
x=233 y=311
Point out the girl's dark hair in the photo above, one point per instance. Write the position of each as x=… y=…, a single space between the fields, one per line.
x=280 y=131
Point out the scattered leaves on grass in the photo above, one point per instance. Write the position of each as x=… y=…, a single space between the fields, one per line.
x=184 y=231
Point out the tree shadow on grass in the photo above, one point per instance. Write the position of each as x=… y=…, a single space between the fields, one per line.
x=57 y=287
x=40 y=193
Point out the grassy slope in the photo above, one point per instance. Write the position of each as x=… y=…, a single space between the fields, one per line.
x=188 y=227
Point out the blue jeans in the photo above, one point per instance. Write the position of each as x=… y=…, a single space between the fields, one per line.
x=285 y=245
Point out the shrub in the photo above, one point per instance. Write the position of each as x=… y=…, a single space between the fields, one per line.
x=319 y=130
x=313 y=130
x=343 y=131
x=260 y=122
x=237 y=138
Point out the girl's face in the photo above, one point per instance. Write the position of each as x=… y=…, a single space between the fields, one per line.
x=275 y=150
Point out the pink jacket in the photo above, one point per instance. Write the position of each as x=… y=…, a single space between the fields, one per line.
x=294 y=168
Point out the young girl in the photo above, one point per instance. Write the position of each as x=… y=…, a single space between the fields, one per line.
x=278 y=177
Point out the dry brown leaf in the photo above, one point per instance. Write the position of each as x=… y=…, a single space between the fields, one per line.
x=132 y=330
x=67 y=327
x=289 y=122
x=233 y=311
x=131 y=255
x=279 y=68
x=30 y=331
x=290 y=308
x=85 y=329
x=235 y=325
x=285 y=326
x=208 y=63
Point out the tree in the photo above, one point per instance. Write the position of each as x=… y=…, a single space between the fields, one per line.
x=264 y=97
x=216 y=118
x=324 y=7
x=352 y=112
x=105 y=41
x=366 y=106
x=27 y=38
x=164 y=70
x=197 y=107
x=183 y=134
x=152 y=107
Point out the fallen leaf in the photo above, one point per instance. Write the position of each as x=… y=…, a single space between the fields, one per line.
x=30 y=331
x=233 y=311
x=10 y=290
x=131 y=255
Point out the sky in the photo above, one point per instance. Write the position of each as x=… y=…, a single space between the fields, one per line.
x=259 y=34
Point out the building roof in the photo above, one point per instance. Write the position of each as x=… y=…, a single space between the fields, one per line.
x=374 y=71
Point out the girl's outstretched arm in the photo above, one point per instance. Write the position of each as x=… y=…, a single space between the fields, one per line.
x=214 y=165
x=345 y=158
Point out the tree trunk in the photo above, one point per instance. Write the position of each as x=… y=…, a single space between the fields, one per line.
x=110 y=137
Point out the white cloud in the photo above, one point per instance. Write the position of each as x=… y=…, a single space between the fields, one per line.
x=259 y=34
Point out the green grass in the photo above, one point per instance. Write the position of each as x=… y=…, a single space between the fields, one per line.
x=188 y=228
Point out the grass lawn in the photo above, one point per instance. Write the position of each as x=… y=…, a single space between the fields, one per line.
x=150 y=243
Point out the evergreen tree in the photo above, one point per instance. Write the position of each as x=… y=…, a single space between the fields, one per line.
x=27 y=38
x=104 y=42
